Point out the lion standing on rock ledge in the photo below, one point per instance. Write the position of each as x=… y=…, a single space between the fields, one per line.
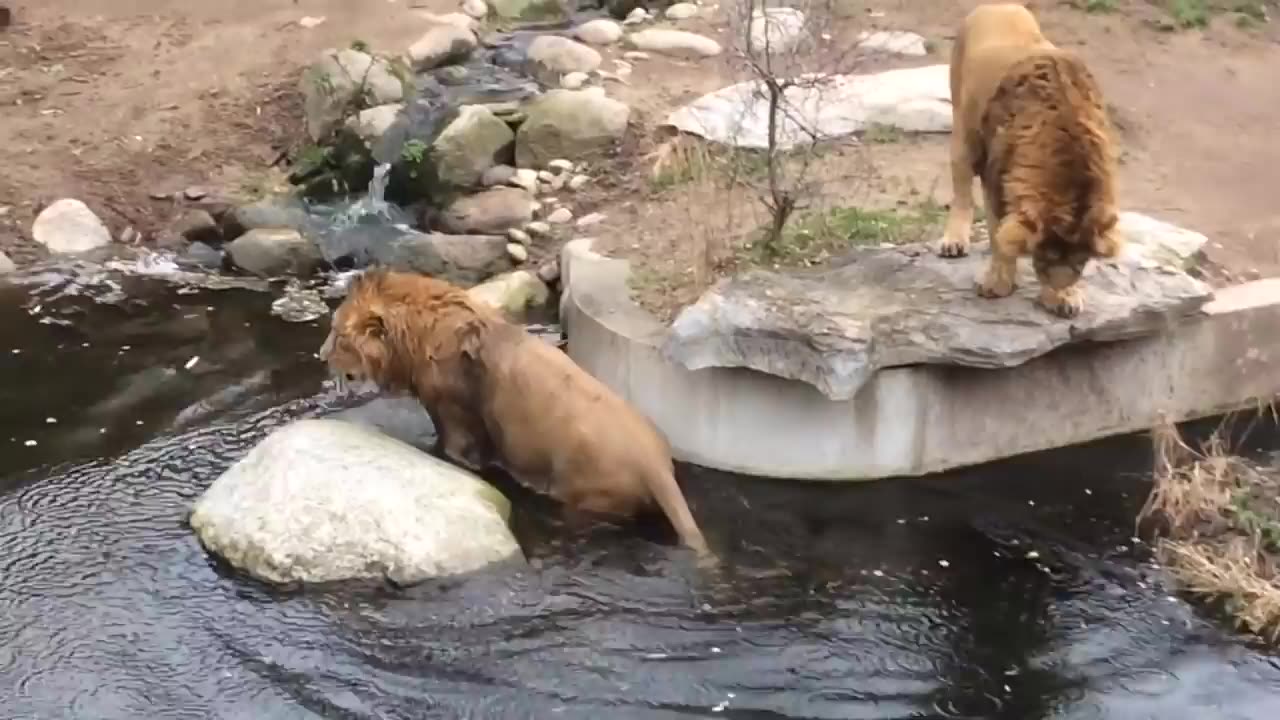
x=497 y=394
x=1028 y=120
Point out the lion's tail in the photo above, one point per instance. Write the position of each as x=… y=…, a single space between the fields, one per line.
x=666 y=491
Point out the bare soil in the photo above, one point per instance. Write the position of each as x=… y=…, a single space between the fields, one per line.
x=114 y=102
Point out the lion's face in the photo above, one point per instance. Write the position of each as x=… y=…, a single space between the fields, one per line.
x=356 y=349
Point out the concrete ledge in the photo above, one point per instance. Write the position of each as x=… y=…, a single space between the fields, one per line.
x=919 y=419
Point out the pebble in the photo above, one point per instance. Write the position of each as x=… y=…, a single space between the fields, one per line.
x=516 y=235
x=517 y=252
x=599 y=32
x=560 y=165
x=574 y=80
x=546 y=176
x=549 y=271
x=637 y=16
x=589 y=220
x=578 y=181
x=526 y=178
x=634 y=55
x=560 y=216
x=681 y=11
x=477 y=9
x=538 y=228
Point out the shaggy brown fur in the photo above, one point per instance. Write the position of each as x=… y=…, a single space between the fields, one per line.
x=498 y=394
x=1028 y=120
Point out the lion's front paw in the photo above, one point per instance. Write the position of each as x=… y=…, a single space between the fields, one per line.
x=1065 y=303
x=996 y=284
x=953 y=246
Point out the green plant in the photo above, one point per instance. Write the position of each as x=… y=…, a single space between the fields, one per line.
x=1097 y=6
x=1190 y=13
x=880 y=134
x=819 y=236
x=413 y=153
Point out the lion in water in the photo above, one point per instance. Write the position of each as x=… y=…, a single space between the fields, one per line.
x=497 y=394
x=1028 y=120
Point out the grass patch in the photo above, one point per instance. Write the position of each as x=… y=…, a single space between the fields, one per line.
x=878 y=134
x=1188 y=14
x=814 y=238
x=1096 y=6
x=1219 y=528
x=1197 y=14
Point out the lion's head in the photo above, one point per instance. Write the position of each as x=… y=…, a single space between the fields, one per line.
x=393 y=324
x=1060 y=262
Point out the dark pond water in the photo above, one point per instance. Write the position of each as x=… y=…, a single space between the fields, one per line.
x=1012 y=591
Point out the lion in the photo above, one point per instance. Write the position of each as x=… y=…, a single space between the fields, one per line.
x=1028 y=120
x=498 y=395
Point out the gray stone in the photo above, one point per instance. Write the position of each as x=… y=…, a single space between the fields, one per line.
x=299 y=304
x=442 y=45
x=587 y=221
x=516 y=235
x=882 y=308
x=599 y=32
x=268 y=252
x=461 y=259
x=514 y=293
x=517 y=251
x=6 y=265
x=399 y=416
x=69 y=226
x=894 y=43
x=370 y=125
x=569 y=123
x=681 y=11
x=551 y=56
x=538 y=228
x=549 y=271
x=560 y=216
x=473 y=142
x=322 y=500
x=271 y=212
x=526 y=178
x=334 y=81
x=197 y=225
x=491 y=211
x=497 y=175
x=776 y=29
x=636 y=16
x=574 y=80
x=528 y=9
x=676 y=43
x=577 y=182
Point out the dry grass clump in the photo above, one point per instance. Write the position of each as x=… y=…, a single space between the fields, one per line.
x=1219 y=526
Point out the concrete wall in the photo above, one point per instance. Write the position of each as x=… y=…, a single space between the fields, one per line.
x=920 y=419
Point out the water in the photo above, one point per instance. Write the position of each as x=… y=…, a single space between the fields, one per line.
x=1006 y=592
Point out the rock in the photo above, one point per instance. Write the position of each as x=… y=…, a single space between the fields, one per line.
x=69 y=226
x=635 y=55
x=894 y=43
x=599 y=32
x=538 y=228
x=636 y=16
x=6 y=265
x=322 y=500
x=681 y=11
x=516 y=235
x=477 y=9
x=497 y=175
x=517 y=252
x=560 y=165
x=551 y=56
x=560 y=216
x=401 y=417
x=587 y=221
x=461 y=259
x=527 y=9
x=334 y=81
x=472 y=143
x=546 y=176
x=906 y=306
x=778 y=29
x=910 y=99
x=578 y=181
x=549 y=271
x=271 y=212
x=200 y=256
x=513 y=293
x=452 y=75
x=491 y=211
x=526 y=178
x=272 y=252
x=569 y=123
x=198 y=226
x=677 y=43
x=371 y=124
x=574 y=80
x=442 y=45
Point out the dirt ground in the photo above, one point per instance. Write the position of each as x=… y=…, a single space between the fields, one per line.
x=113 y=102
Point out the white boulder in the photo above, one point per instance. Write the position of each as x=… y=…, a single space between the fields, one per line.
x=322 y=500
x=69 y=226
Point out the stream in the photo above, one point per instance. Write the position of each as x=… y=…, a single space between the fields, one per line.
x=981 y=594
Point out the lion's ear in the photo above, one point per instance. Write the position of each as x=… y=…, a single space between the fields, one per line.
x=1106 y=236
x=374 y=326
x=470 y=335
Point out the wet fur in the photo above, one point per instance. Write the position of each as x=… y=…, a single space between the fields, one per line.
x=501 y=396
x=1029 y=122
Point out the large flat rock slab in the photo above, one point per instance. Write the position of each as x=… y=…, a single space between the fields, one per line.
x=825 y=107
x=888 y=307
